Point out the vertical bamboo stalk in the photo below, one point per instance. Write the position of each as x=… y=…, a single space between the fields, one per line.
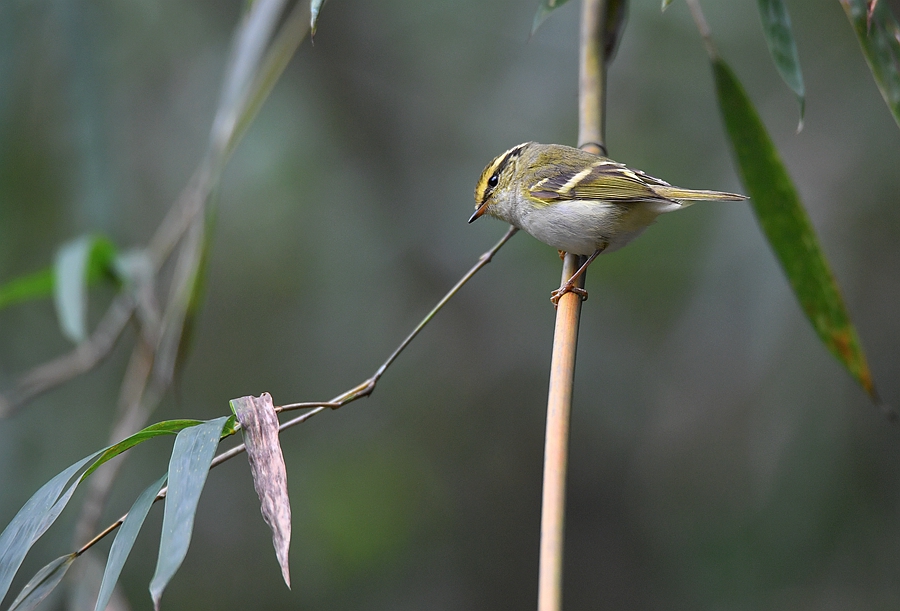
x=591 y=130
x=556 y=444
x=592 y=76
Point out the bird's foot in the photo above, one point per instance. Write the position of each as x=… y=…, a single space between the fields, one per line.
x=568 y=287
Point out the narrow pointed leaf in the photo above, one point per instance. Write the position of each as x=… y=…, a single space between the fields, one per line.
x=776 y=24
x=45 y=506
x=72 y=270
x=665 y=4
x=613 y=27
x=546 y=7
x=167 y=427
x=879 y=36
x=42 y=509
x=787 y=227
x=41 y=284
x=196 y=289
x=251 y=39
x=33 y=286
x=124 y=541
x=33 y=520
x=314 y=7
x=44 y=582
x=259 y=424
x=279 y=53
x=188 y=468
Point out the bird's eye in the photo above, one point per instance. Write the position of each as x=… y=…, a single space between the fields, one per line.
x=492 y=181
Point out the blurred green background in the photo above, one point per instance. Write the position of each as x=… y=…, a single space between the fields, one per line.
x=721 y=458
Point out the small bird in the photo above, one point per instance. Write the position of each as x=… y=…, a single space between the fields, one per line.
x=575 y=201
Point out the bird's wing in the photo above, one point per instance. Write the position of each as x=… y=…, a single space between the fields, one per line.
x=603 y=180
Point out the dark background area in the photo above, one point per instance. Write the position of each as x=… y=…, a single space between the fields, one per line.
x=720 y=458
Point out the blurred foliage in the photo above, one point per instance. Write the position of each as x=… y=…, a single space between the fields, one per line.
x=776 y=24
x=720 y=457
x=879 y=36
x=96 y=258
x=787 y=228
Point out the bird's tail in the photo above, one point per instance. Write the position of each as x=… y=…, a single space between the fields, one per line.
x=678 y=193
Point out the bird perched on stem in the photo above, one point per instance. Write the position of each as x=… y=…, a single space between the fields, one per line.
x=576 y=201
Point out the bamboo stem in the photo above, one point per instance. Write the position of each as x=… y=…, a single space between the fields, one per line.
x=556 y=444
x=592 y=76
x=591 y=135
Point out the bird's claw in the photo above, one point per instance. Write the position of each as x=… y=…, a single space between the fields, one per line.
x=568 y=287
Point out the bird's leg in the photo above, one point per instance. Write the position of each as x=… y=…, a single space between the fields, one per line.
x=569 y=285
x=562 y=254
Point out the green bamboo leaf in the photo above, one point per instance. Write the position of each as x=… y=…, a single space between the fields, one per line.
x=167 y=427
x=879 y=37
x=196 y=290
x=42 y=509
x=41 y=284
x=230 y=427
x=614 y=26
x=546 y=7
x=776 y=24
x=787 y=227
x=44 y=582
x=45 y=506
x=124 y=541
x=314 y=7
x=33 y=286
x=188 y=467
x=34 y=519
x=75 y=262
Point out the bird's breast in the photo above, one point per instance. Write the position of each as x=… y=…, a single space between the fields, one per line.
x=583 y=226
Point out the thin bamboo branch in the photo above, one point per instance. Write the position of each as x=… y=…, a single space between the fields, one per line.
x=702 y=27
x=591 y=135
x=181 y=217
x=357 y=392
x=87 y=355
x=133 y=414
x=368 y=386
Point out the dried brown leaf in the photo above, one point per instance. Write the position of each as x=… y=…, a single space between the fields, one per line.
x=260 y=431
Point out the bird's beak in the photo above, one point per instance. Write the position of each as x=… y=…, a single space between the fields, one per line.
x=481 y=210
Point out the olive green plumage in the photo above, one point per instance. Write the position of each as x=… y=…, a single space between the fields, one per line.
x=575 y=201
